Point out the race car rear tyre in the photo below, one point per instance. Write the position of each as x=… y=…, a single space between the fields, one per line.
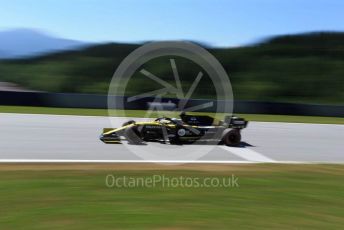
x=232 y=138
x=132 y=136
x=128 y=122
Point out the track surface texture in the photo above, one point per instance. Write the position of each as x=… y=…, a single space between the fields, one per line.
x=26 y=137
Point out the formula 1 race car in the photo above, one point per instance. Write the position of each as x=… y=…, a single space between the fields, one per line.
x=187 y=129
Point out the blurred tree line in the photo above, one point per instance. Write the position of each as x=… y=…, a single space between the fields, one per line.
x=294 y=68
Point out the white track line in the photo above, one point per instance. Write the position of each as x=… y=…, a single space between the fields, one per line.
x=118 y=161
x=248 y=154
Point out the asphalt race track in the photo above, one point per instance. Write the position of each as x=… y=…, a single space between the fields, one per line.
x=26 y=137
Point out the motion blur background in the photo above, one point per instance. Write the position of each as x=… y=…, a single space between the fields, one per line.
x=285 y=51
x=283 y=57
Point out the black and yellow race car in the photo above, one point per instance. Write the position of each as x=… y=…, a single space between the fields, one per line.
x=186 y=129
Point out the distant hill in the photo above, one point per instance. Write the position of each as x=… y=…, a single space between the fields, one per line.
x=27 y=42
x=293 y=68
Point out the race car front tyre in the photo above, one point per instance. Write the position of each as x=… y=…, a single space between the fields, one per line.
x=232 y=138
x=180 y=132
x=175 y=141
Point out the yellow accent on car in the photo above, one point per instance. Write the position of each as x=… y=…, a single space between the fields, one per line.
x=107 y=131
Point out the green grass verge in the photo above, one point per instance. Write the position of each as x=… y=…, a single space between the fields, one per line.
x=268 y=197
x=142 y=113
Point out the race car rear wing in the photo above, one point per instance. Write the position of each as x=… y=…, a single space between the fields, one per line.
x=235 y=122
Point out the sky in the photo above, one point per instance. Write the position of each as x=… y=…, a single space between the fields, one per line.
x=223 y=23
